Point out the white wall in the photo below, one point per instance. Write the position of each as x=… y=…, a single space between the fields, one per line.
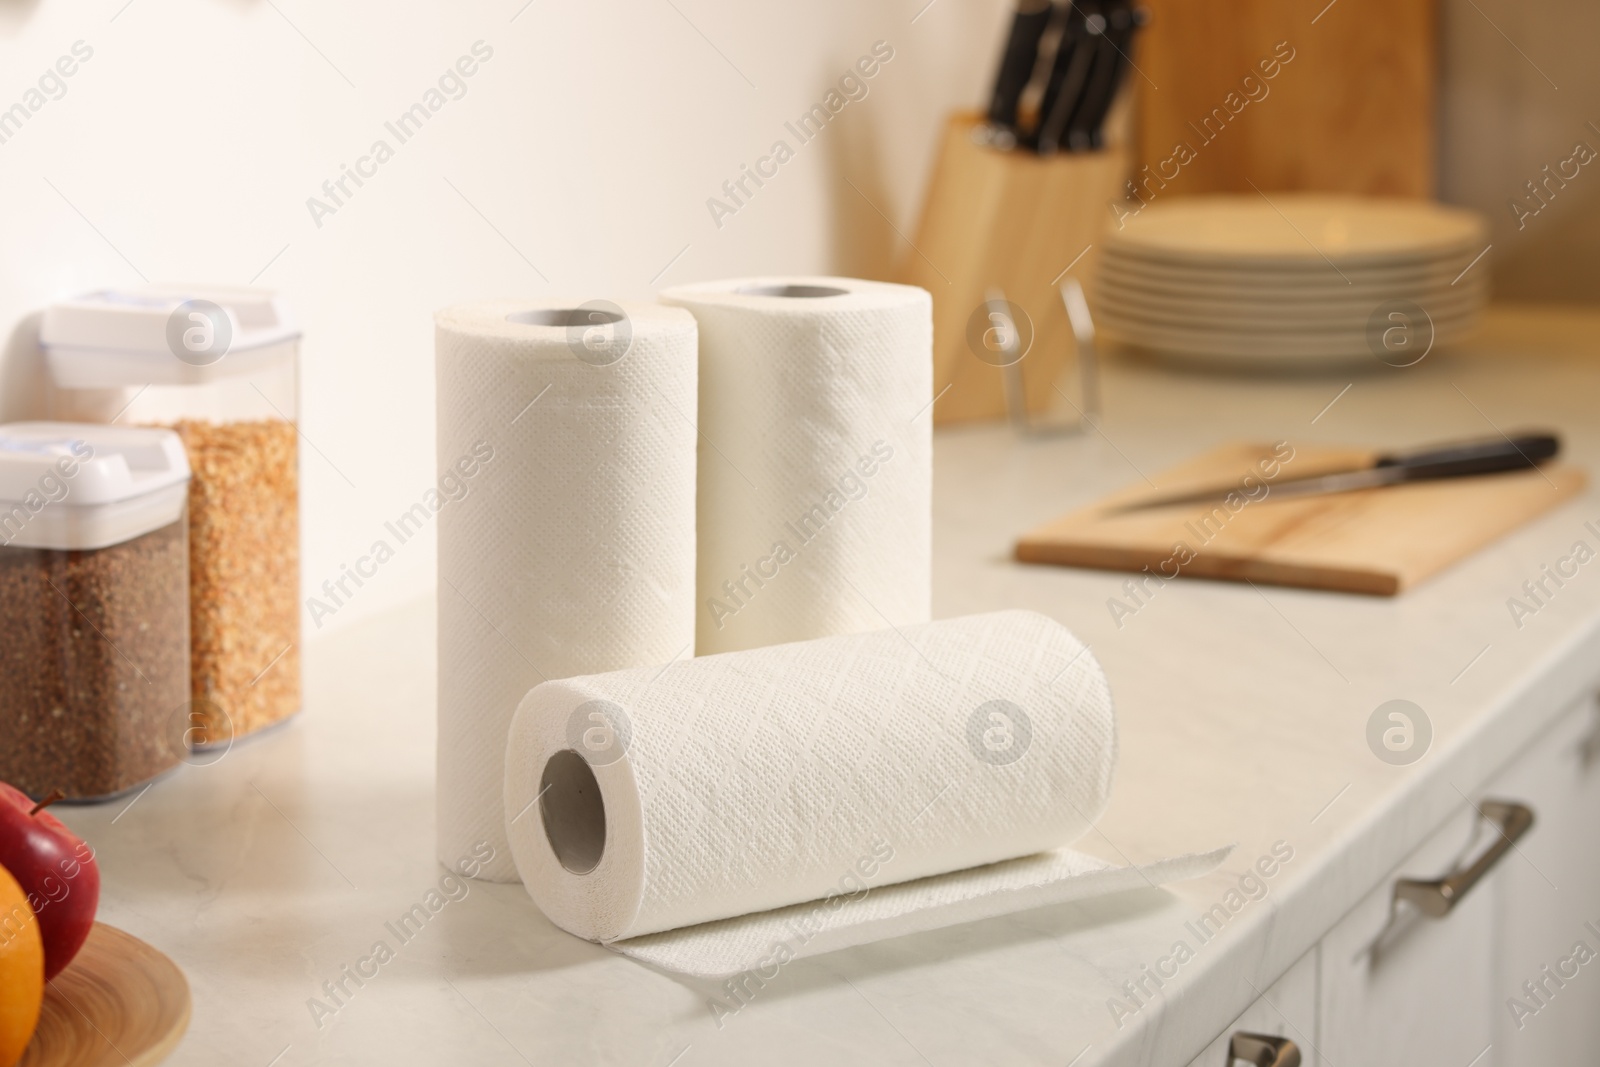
x=186 y=147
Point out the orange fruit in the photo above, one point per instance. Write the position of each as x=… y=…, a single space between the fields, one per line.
x=21 y=970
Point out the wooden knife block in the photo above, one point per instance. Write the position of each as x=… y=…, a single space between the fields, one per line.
x=1012 y=221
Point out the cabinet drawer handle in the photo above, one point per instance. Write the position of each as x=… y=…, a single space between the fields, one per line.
x=1436 y=897
x=1263 y=1050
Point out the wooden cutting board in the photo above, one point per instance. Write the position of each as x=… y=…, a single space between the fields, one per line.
x=119 y=1003
x=1355 y=109
x=1376 y=541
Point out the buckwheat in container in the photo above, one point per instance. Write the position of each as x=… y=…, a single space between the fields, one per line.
x=220 y=367
x=94 y=598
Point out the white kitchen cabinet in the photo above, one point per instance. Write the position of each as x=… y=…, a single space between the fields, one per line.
x=1434 y=982
x=1287 y=1009
x=1547 y=901
x=1410 y=989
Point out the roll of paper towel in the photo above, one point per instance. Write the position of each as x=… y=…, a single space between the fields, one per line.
x=818 y=794
x=566 y=446
x=815 y=458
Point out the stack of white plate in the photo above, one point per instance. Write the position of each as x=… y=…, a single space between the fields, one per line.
x=1294 y=280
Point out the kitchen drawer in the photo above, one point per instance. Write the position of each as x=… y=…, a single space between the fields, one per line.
x=1414 y=990
x=1287 y=1009
x=1547 y=901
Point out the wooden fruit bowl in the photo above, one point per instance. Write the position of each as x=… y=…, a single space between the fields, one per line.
x=119 y=1003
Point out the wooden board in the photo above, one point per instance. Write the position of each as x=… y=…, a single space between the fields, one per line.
x=1353 y=111
x=1377 y=541
x=119 y=1003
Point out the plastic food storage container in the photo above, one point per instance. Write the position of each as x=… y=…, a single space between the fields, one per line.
x=94 y=598
x=221 y=368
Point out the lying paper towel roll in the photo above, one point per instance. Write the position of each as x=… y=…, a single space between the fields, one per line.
x=572 y=548
x=667 y=799
x=815 y=458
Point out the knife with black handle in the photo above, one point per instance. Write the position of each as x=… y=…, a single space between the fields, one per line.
x=1081 y=27
x=1110 y=58
x=1017 y=61
x=1491 y=456
x=1121 y=24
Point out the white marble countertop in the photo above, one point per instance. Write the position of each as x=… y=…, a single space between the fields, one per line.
x=1243 y=718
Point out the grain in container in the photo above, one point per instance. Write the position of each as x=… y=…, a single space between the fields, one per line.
x=94 y=601
x=220 y=367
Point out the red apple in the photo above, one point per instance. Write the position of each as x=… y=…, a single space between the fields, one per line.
x=56 y=870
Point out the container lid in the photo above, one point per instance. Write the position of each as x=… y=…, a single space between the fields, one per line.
x=81 y=485
x=164 y=334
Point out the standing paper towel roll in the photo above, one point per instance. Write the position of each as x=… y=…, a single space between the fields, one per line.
x=815 y=494
x=728 y=785
x=569 y=433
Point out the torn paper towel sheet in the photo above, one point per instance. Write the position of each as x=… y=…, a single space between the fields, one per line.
x=723 y=789
x=859 y=916
x=566 y=449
